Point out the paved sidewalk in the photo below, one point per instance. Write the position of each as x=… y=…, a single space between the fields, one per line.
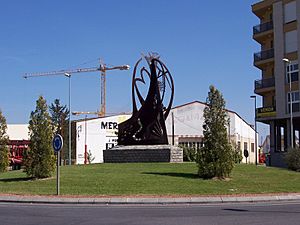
x=148 y=200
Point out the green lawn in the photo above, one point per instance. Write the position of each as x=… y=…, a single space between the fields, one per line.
x=152 y=179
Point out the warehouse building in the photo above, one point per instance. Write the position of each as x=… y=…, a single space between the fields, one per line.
x=97 y=134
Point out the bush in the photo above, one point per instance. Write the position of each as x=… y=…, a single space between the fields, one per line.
x=292 y=159
x=189 y=154
x=4 y=151
x=237 y=153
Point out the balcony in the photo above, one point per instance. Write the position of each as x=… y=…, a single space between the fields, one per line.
x=263 y=55
x=260 y=8
x=266 y=56
x=263 y=27
x=265 y=112
x=264 y=85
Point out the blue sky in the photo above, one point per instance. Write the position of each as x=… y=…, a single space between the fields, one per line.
x=201 y=42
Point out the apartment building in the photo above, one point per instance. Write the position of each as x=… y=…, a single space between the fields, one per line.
x=278 y=34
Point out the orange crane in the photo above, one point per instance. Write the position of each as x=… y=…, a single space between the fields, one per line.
x=102 y=68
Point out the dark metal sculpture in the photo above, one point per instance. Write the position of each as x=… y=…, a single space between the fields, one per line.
x=147 y=124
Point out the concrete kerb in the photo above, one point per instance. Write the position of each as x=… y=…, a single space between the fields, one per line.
x=147 y=200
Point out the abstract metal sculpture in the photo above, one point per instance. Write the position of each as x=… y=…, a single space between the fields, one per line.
x=147 y=124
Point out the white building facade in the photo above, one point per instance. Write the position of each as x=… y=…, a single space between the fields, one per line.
x=188 y=129
x=18 y=131
x=95 y=135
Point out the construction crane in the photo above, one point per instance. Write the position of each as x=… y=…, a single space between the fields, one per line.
x=102 y=68
x=76 y=113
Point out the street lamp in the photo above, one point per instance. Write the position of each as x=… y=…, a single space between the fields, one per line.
x=69 y=76
x=255 y=127
x=291 y=105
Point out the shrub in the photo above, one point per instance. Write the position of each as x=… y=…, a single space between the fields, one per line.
x=292 y=159
x=237 y=153
x=4 y=151
x=189 y=154
x=90 y=157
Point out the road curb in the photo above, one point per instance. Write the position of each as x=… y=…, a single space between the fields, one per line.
x=147 y=200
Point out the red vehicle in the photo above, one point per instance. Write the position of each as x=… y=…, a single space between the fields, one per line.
x=17 y=149
x=262 y=158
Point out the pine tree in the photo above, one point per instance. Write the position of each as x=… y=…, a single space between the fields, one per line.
x=60 y=118
x=4 y=151
x=215 y=159
x=40 y=159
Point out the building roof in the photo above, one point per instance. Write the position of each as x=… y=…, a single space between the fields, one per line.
x=94 y=118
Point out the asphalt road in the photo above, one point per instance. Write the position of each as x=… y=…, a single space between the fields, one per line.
x=279 y=213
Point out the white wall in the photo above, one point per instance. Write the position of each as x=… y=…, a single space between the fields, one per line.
x=99 y=134
x=188 y=120
x=243 y=132
x=18 y=131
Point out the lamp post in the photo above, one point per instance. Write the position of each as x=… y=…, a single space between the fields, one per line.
x=291 y=105
x=70 y=139
x=85 y=138
x=255 y=127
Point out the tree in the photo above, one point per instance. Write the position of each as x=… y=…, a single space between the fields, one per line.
x=4 y=151
x=60 y=117
x=40 y=160
x=292 y=159
x=215 y=159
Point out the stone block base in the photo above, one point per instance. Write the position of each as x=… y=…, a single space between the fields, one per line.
x=143 y=153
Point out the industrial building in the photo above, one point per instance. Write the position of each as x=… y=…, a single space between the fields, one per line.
x=94 y=135
x=279 y=37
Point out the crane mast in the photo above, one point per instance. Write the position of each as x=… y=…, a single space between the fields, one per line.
x=102 y=68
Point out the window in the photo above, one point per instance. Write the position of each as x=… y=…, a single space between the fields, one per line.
x=252 y=147
x=291 y=41
x=295 y=101
x=292 y=70
x=290 y=12
x=245 y=146
x=239 y=145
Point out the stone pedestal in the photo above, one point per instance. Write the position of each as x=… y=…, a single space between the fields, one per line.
x=143 y=153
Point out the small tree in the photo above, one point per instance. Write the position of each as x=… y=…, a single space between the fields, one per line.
x=4 y=151
x=215 y=159
x=292 y=159
x=189 y=153
x=40 y=159
x=90 y=157
x=237 y=153
x=60 y=117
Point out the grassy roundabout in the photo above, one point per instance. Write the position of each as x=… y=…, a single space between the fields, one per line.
x=152 y=179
